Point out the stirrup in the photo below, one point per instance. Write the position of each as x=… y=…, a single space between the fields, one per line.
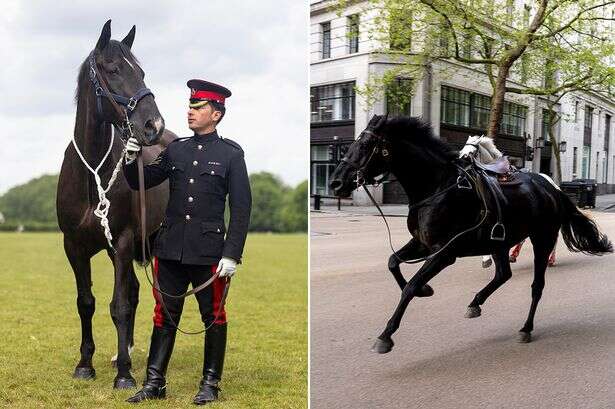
x=494 y=232
x=463 y=182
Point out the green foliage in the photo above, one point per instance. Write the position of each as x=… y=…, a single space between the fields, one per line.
x=32 y=204
x=275 y=206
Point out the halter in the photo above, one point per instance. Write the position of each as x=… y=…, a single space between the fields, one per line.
x=129 y=104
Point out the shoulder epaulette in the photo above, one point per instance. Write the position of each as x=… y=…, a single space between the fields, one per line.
x=232 y=143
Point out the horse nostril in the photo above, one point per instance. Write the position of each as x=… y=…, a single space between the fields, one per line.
x=335 y=184
x=150 y=128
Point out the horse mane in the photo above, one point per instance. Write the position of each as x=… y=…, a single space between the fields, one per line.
x=415 y=131
x=83 y=77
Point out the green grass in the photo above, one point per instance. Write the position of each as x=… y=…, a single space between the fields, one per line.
x=266 y=362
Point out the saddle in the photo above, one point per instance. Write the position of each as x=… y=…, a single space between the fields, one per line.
x=502 y=170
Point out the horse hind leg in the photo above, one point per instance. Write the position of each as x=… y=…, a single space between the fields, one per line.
x=542 y=249
x=502 y=274
x=413 y=249
x=86 y=304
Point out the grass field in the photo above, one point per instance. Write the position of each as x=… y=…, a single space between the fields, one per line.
x=266 y=362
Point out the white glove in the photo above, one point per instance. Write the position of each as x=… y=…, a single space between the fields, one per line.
x=226 y=267
x=132 y=150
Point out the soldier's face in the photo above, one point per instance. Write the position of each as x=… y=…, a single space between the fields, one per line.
x=204 y=118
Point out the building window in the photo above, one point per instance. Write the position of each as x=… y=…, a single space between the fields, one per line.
x=323 y=164
x=574 y=162
x=546 y=124
x=399 y=97
x=607 y=131
x=513 y=119
x=587 y=134
x=326 y=39
x=576 y=111
x=467 y=109
x=455 y=107
x=585 y=162
x=353 y=34
x=481 y=107
x=332 y=102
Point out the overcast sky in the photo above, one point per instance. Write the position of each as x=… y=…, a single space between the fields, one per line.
x=258 y=49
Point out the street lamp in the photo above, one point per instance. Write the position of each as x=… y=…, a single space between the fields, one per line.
x=562 y=146
x=540 y=142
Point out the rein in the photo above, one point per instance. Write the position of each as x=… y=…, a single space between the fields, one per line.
x=457 y=184
x=464 y=181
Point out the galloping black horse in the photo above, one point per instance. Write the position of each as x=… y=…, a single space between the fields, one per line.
x=110 y=65
x=445 y=199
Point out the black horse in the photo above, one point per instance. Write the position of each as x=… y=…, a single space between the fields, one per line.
x=446 y=198
x=112 y=64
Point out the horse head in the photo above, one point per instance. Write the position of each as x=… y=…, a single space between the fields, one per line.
x=117 y=80
x=367 y=158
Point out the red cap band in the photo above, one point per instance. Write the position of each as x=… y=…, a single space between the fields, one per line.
x=194 y=94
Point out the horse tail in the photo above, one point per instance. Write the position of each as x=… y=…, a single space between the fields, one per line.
x=580 y=233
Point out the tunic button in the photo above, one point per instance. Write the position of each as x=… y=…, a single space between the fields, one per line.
x=200 y=147
x=212 y=172
x=218 y=230
x=195 y=163
x=187 y=217
x=190 y=199
x=190 y=180
x=173 y=168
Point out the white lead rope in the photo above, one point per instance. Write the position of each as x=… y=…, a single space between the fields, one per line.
x=102 y=209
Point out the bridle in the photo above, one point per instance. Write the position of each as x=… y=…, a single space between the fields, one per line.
x=464 y=181
x=128 y=105
x=379 y=147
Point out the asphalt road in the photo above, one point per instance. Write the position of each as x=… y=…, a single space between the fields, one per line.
x=441 y=359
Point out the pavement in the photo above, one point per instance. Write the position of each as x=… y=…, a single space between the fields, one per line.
x=441 y=359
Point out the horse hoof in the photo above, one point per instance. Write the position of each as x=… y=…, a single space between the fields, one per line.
x=524 y=337
x=124 y=382
x=472 y=312
x=84 y=373
x=382 y=346
x=426 y=291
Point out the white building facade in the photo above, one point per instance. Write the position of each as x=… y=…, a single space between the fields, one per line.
x=453 y=97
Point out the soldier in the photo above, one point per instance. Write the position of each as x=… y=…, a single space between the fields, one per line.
x=191 y=245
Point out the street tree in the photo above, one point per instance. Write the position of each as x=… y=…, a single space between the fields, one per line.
x=547 y=47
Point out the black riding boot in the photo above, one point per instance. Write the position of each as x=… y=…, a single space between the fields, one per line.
x=154 y=386
x=215 y=346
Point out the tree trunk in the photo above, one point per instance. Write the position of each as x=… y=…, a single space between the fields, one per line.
x=497 y=102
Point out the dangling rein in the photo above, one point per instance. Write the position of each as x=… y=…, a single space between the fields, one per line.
x=466 y=177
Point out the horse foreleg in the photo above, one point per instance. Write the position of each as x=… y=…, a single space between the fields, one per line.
x=413 y=249
x=121 y=308
x=134 y=302
x=384 y=343
x=502 y=274
x=86 y=304
x=542 y=247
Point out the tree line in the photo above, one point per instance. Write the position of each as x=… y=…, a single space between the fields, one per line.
x=276 y=207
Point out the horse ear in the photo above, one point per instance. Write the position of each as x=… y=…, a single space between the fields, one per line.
x=130 y=37
x=105 y=36
x=382 y=120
